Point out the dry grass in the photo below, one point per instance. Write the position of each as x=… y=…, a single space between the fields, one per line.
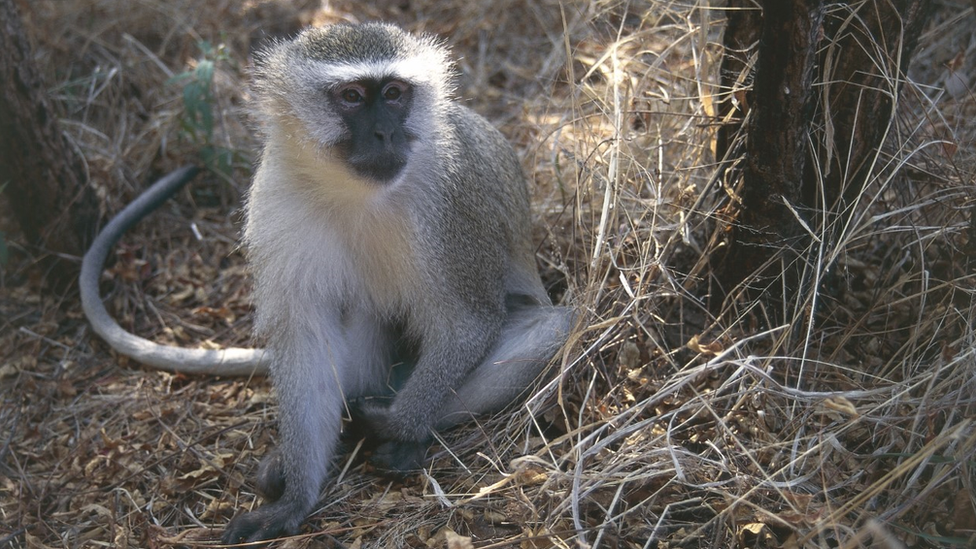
x=669 y=427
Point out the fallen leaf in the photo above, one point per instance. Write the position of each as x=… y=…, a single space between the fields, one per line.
x=841 y=405
x=713 y=348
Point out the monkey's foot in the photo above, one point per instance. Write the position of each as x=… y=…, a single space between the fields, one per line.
x=268 y=522
x=391 y=455
x=371 y=417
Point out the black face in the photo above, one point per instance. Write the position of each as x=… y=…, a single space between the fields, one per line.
x=374 y=112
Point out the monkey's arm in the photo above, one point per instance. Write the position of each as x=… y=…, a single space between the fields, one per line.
x=447 y=356
x=223 y=362
x=309 y=430
x=529 y=338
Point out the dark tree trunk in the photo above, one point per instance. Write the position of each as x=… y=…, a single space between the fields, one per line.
x=775 y=145
x=778 y=181
x=776 y=139
x=45 y=179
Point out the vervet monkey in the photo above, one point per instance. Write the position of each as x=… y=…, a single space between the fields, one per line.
x=386 y=224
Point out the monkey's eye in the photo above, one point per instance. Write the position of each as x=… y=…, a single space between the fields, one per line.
x=351 y=96
x=392 y=93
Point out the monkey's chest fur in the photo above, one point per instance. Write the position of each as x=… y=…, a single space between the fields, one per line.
x=320 y=237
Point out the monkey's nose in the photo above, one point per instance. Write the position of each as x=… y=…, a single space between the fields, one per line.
x=384 y=134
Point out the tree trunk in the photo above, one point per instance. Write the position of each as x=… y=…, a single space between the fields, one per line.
x=778 y=181
x=775 y=145
x=44 y=177
x=742 y=29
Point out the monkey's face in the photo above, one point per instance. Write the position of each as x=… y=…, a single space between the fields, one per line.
x=370 y=96
x=376 y=140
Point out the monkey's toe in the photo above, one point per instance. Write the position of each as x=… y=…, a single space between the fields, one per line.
x=271 y=477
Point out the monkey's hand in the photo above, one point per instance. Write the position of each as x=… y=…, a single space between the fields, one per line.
x=397 y=459
x=270 y=521
x=392 y=455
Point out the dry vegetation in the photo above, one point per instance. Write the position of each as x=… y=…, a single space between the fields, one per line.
x=852 y=426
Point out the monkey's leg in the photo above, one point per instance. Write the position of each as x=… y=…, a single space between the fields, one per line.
x=529 y=339
x=312 y=373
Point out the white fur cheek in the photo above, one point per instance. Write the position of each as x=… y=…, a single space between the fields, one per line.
x=321 y=123
x=425 y=122
x=421 y=123
x=307 y=102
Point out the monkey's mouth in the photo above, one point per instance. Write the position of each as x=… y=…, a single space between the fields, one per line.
x=379 y=168
x=378 y=165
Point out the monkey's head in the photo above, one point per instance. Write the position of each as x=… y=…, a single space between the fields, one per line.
x=368 y=94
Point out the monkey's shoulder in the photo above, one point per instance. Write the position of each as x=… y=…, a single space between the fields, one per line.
x=482 y=168
x=482 y=144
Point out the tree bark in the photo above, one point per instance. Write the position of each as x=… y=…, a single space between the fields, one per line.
x=775 y=146
x=863 y=65
x=776 y=142
x=44 y=177
x=864 y=51
x=742 y=29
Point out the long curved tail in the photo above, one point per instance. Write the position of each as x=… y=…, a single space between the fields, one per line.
x=223 y=362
